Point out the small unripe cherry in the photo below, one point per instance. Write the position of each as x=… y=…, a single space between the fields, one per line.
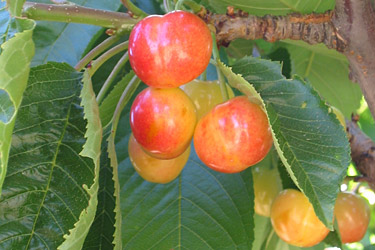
x=163 y=121
x=205 y=95
x=267 y=185
x=152 y=169
x=233 y=136
x=352 y=213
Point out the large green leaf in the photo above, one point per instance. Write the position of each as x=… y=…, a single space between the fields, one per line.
x=201 y=209
x=48 y=187
x=328 y=71
x=101 y=232
x=309 y=6
x=15 y=6
x=310 y=141
x=273 y=7
x=66 y=42
x=15 y=59
x=91 y=149
x=7 y=107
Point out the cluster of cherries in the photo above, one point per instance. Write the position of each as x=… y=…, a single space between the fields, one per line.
x=167 y=53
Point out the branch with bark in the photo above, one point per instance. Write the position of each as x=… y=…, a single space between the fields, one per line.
x=362 y=152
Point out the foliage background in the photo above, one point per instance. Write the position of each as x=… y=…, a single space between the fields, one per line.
x=51 y=185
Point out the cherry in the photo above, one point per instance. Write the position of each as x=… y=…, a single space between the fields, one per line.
x=163 y=121
x=352 y=213
x=205 y=95
x=155 y=170
x=233 y=136
x=171 y=50
x=267 y=185
x=294 y=220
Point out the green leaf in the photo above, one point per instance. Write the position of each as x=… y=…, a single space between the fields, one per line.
x=7 y=107
x=15 y=7
x=91 y=149
x=101 y=232
x=14 y=71
x=262 y=229
x=328 y=71
x=66 y=42
x=48 y=187
x=201 y=209
x=309 y=6
x=272 y=7
x=110 y=102
x=310 y=141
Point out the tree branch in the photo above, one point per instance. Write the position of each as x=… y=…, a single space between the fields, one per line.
x=363 y=152
x=355 y=22
x=313 y=28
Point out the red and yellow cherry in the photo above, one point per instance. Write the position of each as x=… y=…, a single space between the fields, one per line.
x=267 y=185
x=233 y=136
x=352 y=213
x=155 y=170
x=205 y=95
x=171 y=50
x=294 y=220
x=163 y=121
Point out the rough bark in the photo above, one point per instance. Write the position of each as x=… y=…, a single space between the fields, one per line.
x=363 y=153
x=355 y=22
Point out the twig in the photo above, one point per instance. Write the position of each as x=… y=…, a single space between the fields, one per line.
x=70 y=13
x=363 y=152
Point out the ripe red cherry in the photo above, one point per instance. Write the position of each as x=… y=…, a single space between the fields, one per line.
x=163 y=121
x=171 y=50
x=233 y=136
x=352 y=213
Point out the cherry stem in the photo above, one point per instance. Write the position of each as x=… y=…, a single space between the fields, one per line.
x=71 y=13
x=167 y=6
x=204 y=75
x=124 y=99
x=96 y=51
x=107 y=55
x=116 y=70
x=220 y=76
x=137 y=12
x=195 y=7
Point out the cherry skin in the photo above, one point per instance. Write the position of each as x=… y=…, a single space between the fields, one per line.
x=152 y=169
x=233 y=136
x=163 y=121
x=205 y=95
x=352 y=213
x=267 y=185
x=294 y=220
x=171 y=50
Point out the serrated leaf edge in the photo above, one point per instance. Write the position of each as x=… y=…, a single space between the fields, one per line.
x=91 y=149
